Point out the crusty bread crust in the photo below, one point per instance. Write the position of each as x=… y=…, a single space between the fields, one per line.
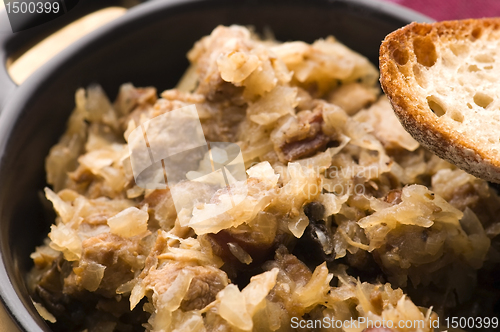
x=415 y=45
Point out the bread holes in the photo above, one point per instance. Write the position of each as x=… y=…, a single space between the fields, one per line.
x=469 y=105
x=435 y=106
x=488 y=67
x=457 y=116
x=484 y=58
x=459 y=49
x=476 y=33
x=425 y=50
x=482 y=99
x=473 y=68
x=399 y=55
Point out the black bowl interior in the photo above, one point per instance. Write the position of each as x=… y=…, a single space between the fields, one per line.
x=146 y=47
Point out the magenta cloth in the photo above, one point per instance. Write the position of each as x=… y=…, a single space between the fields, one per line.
x=453 y=9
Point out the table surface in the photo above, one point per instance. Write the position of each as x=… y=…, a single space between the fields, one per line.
x=453 y=9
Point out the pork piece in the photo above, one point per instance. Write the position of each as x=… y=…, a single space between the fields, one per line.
x=119 y=258
x=222 y=121
x=210 y=83
x=76 y=312
x=206 y=283
x=219 y=115
x=130 y=97
x=393 y=197
x=133 y=100
x=258 y=252
x=301 y=136
x=293 y=274
x=161 y=208
x=82 y=176
x=244 y=248
x=83 y=181
x=292 y=266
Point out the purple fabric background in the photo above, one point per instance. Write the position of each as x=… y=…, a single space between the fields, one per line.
x=453 y=9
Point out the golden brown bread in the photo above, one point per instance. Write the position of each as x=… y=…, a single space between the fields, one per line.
x=442 y=81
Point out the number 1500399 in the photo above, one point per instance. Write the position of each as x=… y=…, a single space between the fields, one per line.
x=472 y=322
x=25 y=7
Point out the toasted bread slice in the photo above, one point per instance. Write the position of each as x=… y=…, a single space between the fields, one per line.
x=443 y=81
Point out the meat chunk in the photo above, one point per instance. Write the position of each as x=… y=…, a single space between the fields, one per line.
x=210 y=83
x=120 y=258
x=302 y=136
x=130 y=97
x=206 y=283
x=393 y=197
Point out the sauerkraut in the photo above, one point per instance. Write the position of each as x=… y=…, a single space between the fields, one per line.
x=345 y=217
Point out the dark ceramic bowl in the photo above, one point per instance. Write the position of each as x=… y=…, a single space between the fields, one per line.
x=147 y=47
